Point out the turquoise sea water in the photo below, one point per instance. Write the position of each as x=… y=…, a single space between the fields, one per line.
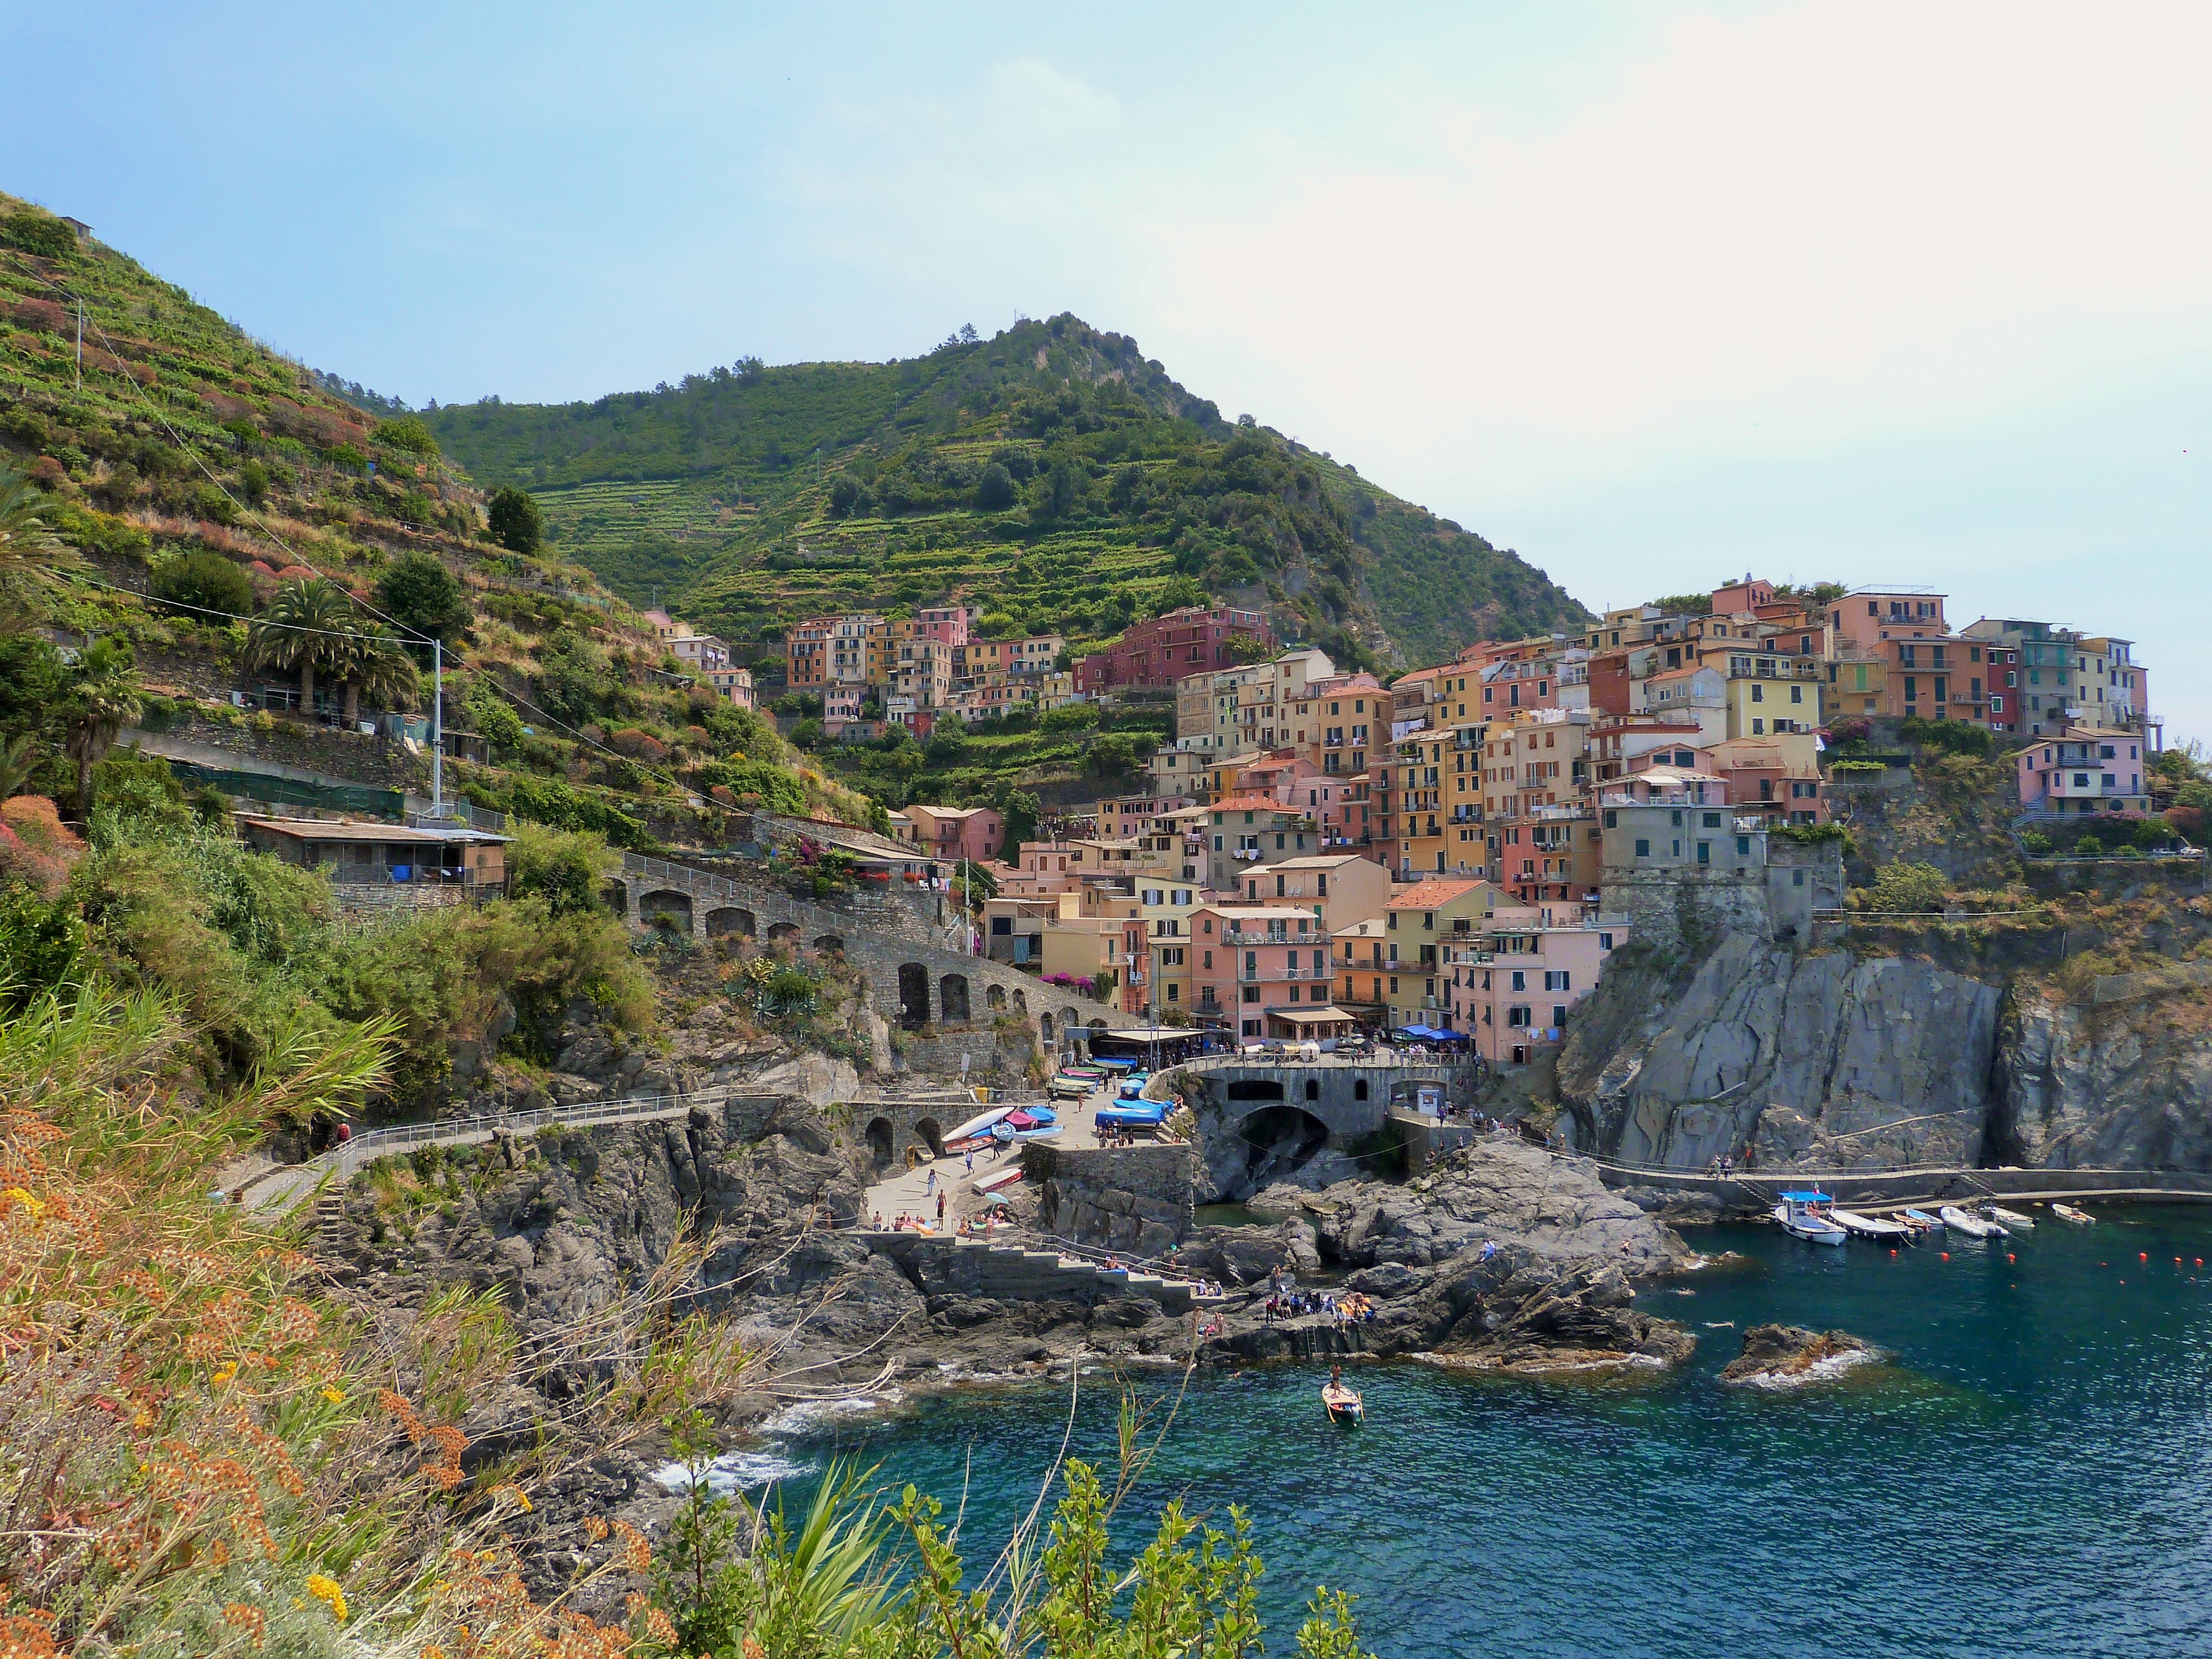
x=2029 y=1475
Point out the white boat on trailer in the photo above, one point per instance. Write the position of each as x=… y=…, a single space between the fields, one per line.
x=1805 y=1215
x=1880 y=1228
x=1972 y=1226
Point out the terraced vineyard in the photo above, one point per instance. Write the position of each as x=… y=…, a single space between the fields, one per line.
x=1052 y=475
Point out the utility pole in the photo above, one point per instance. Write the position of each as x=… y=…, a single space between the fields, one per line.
x=437 y=728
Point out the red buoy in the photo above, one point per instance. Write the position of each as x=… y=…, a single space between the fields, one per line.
x=2009 y=1256
x=1947 y=1256
x=2142 y=1255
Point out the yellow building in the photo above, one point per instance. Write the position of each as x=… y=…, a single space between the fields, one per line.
x=1759 y=707
x=1416 y=926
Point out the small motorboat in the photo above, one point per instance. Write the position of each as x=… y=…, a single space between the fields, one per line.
x=2068 y=1212
x=1805 y=1215
x=2012 y=1219
x=1972 y=1226
x=1879 y=1229
x=1922 y=1219
x=1344 y=1405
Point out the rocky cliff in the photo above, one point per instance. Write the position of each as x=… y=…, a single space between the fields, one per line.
x=1964 y=1045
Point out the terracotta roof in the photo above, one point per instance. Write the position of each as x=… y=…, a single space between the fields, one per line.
x=1248 y=804
x=1432 y=895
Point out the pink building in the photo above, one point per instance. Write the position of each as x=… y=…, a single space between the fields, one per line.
x=1160 y=652
x=952 y=833
x=1513 y=988
x=948 y=624
x=2082 y=773
x=1263 y=971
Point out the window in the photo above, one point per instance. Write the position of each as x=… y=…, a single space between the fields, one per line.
x=1757 y=692
x=1705 y=851
x=1713 y=820
x=1520 y=981
x=1251 y=994
x=1643 y=847
x=1556 y=980
x=1209 y=955
x=1796 y=693
x=1558 y=1015
x=1517 y=1015
x=1394 y=985
x=1359 y=1088
x=1796 y=878
x=1605 y=940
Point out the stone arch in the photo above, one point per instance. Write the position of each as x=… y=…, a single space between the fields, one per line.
x=725 y=920
x=932 y=1133
x=1069 y=1020
x=1277 y=1140
x=1022 y=1006
x=952 y=998
x=665 y=902
x=831 y=943
x=1313 y=1088
x=880 y=1142
x=783 y=933
x=1044 y=1023
x=913 y=995
x=1097 y=1022
x=994 y=998
x=1359 y=1088
x=1255 y=1088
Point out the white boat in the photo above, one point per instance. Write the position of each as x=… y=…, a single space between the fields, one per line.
x=1972 y=1226
x=1921 y=1219
x=2068 y=1212
x=1805 y=1215
x=1880 y=1228
x=2009 y=1219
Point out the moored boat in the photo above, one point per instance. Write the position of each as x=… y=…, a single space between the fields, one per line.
x=2012 y=1219
x=1880 y=1228
x=2068 y=1212
x=1922 y=1219
x=1805 y=1215
x=1972 y=1226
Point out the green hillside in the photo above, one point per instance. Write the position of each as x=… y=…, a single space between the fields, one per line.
x=200 y=484
x=1052 y=474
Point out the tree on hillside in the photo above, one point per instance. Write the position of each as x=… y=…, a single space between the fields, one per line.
x=995 y=490
x=304 y=629
x=206 y=580
x=377 y=666
x=103 y=698
x=424 y=599
x=516 y=524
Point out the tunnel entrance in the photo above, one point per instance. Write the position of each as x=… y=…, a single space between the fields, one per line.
x=1277 y=1141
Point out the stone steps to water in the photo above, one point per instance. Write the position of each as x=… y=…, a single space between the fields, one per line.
x=1023 y=1275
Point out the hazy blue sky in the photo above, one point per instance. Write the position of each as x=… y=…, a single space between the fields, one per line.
x=1894 y=294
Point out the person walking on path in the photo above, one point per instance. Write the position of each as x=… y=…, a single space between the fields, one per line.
x=930 y=1186
x=941 y=1215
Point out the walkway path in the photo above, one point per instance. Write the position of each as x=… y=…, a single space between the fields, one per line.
x=909 y=1192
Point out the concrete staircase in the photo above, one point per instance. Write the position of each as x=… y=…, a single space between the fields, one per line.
x=1014 y=1273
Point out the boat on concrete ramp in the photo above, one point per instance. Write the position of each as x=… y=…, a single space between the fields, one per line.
x=1805 y=1215
x=1972 y=1226
x=1878 y=1230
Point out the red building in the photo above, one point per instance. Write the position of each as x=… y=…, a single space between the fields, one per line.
x=1160 y=652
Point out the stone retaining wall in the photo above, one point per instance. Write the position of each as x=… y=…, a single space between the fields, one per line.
x=1137 y=1198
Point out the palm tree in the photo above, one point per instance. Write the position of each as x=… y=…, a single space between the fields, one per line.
x=18 y=760
x=378 y=669
x=103 y=698
x=28 y=543
x=304 y=628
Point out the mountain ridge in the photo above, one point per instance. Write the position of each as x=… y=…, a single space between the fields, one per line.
x=753 y=495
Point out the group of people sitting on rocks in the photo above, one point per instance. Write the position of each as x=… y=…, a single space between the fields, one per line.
x=1350 y=1309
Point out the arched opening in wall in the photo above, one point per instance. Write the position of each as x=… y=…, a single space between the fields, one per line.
x=1044 y=1023
x=1313 y=1088
x=994 y=998
x=1359 y=1088
x=932 y=1133
x=952 y=998
x=783 y=933
x=1022 y=1006
x=1070 y=1021
x=726 y=920
x=1278 y=1141
x=1255 y=1088
x=880 y=1142
x=664 y=907
x=914 y=995
x=831 y=943
x=1097 y=1022
x=615 y=895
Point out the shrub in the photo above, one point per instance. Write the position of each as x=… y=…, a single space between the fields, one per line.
x=1908 y=888
x=216 y=507
x=253 y=483
x=1851 y=730
x=42 y=942
x=36 y=848
x=1070 y=717
x=346 y=457
x=406 y=433
x=564 y=868
x=206 y=580
x=495 y=722
x=2088 y=847
x=1947 y=736
x=2035 y=843
x=995 y=490
x=777 y=786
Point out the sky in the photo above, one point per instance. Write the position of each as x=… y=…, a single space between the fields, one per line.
x=1653 y=293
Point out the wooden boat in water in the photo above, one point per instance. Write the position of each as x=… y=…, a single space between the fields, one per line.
x=1879 y=1229
x=1921 y=1219
x=1972 y=1226
x=1805 y=1215
x=1343 y=1405
x=2012 y=1219
x=2068 y=1212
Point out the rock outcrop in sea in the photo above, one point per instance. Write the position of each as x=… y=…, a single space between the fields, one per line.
x=1780 y=1356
